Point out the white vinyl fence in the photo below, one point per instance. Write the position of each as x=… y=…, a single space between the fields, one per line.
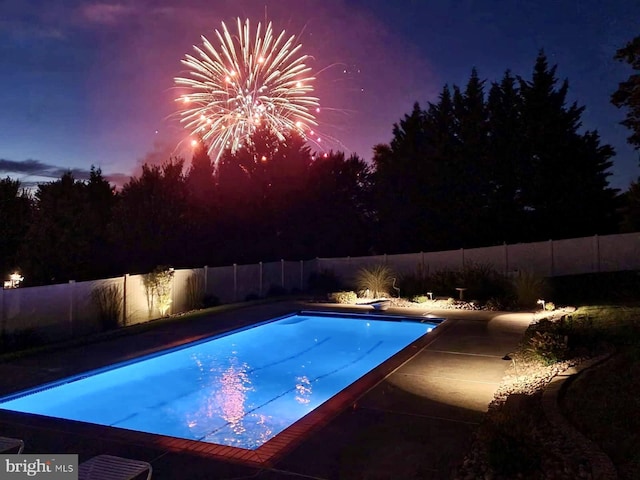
x=67 y=310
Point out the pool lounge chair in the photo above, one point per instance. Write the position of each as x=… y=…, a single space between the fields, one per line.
x=11 y=445
x=108 y=467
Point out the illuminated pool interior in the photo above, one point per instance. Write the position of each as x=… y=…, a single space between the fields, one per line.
x=239 y=389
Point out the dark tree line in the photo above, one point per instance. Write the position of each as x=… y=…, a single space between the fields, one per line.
x=628 y=96
x=495 y=163
x=484 y=164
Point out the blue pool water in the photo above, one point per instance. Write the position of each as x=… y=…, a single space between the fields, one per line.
x=240 y=389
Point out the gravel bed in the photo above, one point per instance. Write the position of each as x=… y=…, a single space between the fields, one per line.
x=546 y=452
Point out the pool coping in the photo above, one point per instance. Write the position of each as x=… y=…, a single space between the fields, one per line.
x=281 y=444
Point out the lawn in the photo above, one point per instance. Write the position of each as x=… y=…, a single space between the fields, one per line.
x=603 y=402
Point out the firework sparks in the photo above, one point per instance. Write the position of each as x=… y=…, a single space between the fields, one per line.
x=246 y=83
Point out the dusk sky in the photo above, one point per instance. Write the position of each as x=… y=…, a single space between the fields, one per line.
x=91 y=83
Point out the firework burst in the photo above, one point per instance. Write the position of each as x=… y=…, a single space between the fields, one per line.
x=244 y=83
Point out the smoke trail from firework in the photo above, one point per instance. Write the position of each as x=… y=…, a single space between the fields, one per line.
x=245 y=83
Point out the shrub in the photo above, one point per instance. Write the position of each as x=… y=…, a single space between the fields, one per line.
x=528 y=288
x=482 y=281
x=499 y=303
x=344 y=297
x=375 y=281
x=158 y=285
x=420 y=299
x=548 y=347
x=108 y=300
x=443 y=282
x=414 y=284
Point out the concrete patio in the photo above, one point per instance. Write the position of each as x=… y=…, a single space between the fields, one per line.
x=416 y=423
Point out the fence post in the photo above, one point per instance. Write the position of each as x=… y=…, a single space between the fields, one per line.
x=173 y=292
x=260 y=281
x=124 y=299
x=235 y=282
x=206 y=278
x=71 y=287
x=301 y=276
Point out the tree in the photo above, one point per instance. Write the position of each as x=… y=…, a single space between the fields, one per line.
x=202 y=213
x=200 y=177
x=630 y=221
x=337 y=197
x=470 y=190
x=505 y=161
x=401 y=168
x=149 y=224
x=259 y=189
x=15 y=216
x=66 y=239
x=566 y=191
x=470 y=172
x=628 y=93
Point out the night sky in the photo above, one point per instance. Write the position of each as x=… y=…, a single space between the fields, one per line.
x=91 y=83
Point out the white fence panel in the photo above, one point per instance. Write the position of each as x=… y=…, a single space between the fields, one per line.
x=248 y=281
x=85 y=312
x=447 y=260
x=492 y=256
x=187 y=288
x=309 y=267
x=619 y=252
x=293 y=281
x=574 y=256
x=63 y=310
x=139 y=305
x=530 y=257
x=347 y=268
x=405 y=263
x=272 y=276
x=46 y=309
x=220 y=283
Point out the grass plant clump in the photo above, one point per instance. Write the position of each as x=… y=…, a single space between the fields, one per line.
x=158 y=286
x=376 y=281
x=528 y=289
x=195 y=291
x=483 y=282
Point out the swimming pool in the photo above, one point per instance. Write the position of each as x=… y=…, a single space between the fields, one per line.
x=239 y=389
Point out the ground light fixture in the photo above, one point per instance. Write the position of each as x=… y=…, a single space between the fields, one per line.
x=511 y=356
